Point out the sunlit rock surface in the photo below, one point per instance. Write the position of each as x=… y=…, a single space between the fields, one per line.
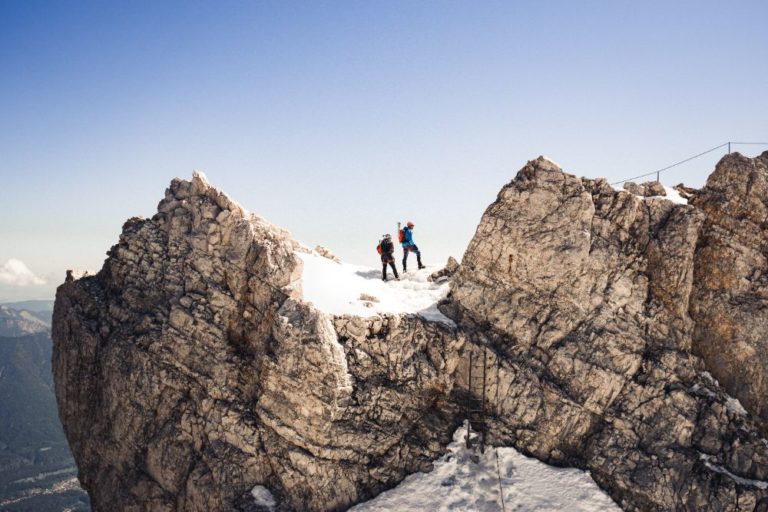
x=190 y=369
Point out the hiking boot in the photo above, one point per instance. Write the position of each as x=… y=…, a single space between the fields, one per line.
x=421 y=267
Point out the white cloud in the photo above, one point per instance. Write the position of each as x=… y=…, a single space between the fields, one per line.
x=16 y=273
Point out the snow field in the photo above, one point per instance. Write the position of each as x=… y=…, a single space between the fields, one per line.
x=472 y=482
x=345 y=289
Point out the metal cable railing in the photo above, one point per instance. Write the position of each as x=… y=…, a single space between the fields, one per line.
x=658 y=172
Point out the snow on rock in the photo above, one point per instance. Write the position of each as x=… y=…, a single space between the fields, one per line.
x=734 y=406
x=674 y=196
x=464 y=481
x=344 y=289
x=545 y=157
x=262 y=498
x=698 y=389
x=707 y=459
x=642 y=190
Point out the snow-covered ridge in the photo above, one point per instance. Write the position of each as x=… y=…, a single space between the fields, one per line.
x=346 y=289
x=499 y=479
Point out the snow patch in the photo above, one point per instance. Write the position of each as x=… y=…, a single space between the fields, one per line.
x=465 y=481
x=545 y=157
x=734 y=406
x=616 y=187
x=674 y=196
x=344 y=289
x=263 y=498
x=698 y=389
x=707 y=459
x=201 y=176
x=731 y=404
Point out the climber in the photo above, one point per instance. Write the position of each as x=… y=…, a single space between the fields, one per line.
x=406 y=239
x=387 y=250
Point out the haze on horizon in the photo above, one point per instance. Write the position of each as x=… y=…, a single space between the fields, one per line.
x=338 y=120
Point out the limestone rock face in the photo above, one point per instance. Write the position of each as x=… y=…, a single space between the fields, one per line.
x=451 y=267
x=647 y=189
x=326 y=253
x=582 y=292
x=190 y=369
x=730 y=297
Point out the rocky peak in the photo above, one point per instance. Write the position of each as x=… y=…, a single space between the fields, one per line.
x=562 y=247
x=190 y=369
x=730 y=299
x=584 y=291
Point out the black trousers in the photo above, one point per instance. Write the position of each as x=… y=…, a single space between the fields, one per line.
x=387 y=259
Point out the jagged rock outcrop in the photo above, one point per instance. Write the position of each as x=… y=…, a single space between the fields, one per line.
x=647 y=189
x=326 y=253
x=450 y=268
x=189 y=369
x=685 y=192
x=583 y=292
x=730 y=298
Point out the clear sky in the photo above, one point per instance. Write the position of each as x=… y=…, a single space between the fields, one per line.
x=338 y=119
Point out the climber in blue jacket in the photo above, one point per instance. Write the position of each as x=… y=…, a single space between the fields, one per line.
x=406 y=239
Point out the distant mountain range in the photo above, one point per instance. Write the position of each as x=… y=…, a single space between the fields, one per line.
x=16 y=321
x=36 y=306
x=37 y=471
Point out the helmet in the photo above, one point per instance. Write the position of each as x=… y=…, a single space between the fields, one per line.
x=387 y=235
x=410 y=224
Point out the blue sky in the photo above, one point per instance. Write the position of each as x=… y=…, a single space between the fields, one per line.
x=338 y=119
